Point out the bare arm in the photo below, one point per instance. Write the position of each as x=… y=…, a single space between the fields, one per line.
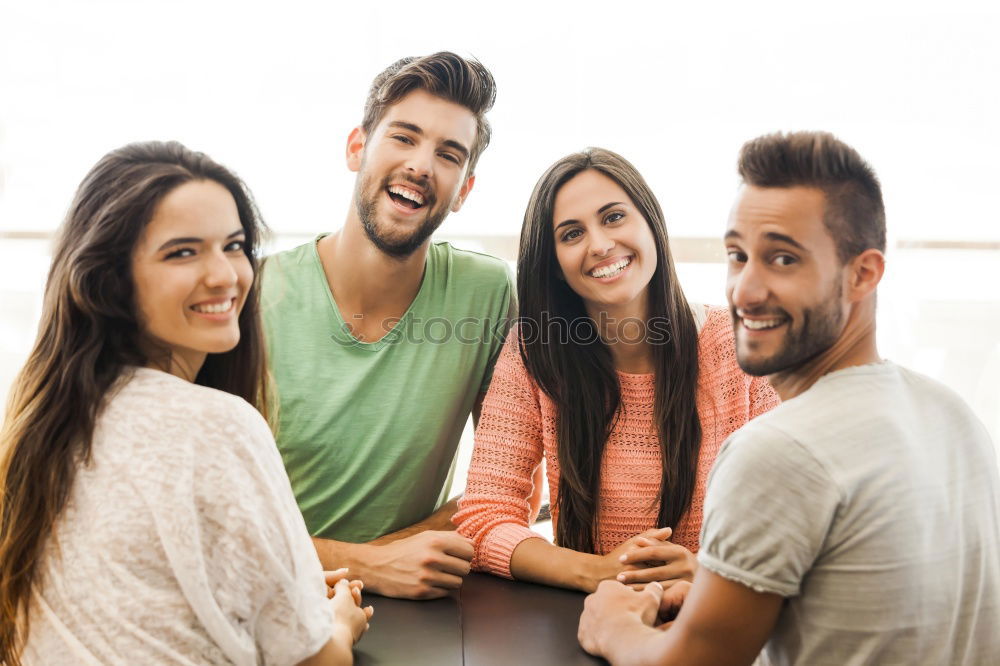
x=422 y=561
x=538 y=561
x=417 y=562
x=721 y=622
x=439 y=520
x=336 y=652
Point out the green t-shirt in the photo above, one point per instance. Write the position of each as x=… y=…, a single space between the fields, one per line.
x=368 y=431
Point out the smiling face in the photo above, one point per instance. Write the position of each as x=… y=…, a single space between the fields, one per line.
x=604 y=245
x=786 y=283
x=412 y=170
x=192 y=275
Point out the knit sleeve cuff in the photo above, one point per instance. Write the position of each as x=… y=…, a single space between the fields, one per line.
x=499 y=545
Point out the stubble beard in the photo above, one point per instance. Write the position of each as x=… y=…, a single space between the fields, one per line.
x=366 y=203
x=820 y=329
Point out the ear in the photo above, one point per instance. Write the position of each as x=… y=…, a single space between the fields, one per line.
x=462 y=193
x=864 y=273
x=356 y=148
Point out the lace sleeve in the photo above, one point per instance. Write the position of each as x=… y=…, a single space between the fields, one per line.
x=235 y=540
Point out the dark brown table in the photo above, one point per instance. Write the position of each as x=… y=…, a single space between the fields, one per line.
x=491 y=621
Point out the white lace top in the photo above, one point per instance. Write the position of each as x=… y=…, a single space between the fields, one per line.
x=181 y=542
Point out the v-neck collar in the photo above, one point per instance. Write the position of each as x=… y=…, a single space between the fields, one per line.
x=342 y=331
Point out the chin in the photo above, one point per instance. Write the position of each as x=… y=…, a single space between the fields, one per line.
x=221 y=346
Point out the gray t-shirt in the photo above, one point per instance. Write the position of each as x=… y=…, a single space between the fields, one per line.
x=872 y=503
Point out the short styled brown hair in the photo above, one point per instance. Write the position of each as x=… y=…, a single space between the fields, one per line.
x=444 y=74
x=855 y=214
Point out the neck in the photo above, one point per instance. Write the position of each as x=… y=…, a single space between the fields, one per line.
x=623 y=330
x=365 y=279
x=855 y=346
x=183 y=365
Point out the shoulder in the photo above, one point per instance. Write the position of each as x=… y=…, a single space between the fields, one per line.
x=469 y=265
x=290 y=281
x=288 y=264
x=509 y=362
x=717 y=346
x=299 y=255
x=764 y=449
x=716 y=333
x=169 y=410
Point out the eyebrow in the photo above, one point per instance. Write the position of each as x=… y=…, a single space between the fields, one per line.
x=451 y=143
x=192 y=240
x=770 y=235
x=599 y=211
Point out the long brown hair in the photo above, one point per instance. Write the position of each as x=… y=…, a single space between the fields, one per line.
x=579 y=374
x=88 y=336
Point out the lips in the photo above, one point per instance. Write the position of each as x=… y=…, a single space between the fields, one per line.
x=610 y=267
x=406 y=196
x=761 y=322
x=215 y=307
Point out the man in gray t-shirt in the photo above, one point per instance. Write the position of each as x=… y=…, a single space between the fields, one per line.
x=858 y=522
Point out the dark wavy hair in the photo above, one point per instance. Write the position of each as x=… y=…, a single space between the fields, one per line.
x=580 y=376
x=88 y=336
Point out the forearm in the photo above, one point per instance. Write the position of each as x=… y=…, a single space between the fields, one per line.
x=538 y=561
x=338 y=554
x=336 y=652
x=439 y=520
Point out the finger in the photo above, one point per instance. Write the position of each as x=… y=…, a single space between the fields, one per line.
x=441 y=580
x=342 y=586
x=459 y=546
x=658 y=553
x=453 y=565
x=332 y=577
x=674 y=596
x=661 y=533
x=676 y=570
x=369 y=611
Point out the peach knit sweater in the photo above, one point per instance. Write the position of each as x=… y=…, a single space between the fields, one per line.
x=518 y=427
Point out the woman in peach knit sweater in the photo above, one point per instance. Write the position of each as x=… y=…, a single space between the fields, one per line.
x=624 y=388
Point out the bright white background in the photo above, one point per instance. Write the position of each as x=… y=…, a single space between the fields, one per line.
x=272 y=90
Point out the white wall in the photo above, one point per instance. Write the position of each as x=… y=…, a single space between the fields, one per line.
x=272 y=91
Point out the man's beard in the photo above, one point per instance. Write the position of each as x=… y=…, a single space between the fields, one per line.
x=821 y=326
x=395 y=246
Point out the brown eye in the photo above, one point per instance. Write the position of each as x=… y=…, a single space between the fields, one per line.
x=182 y=253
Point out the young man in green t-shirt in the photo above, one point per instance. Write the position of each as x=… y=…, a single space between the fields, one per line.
x=382 y=342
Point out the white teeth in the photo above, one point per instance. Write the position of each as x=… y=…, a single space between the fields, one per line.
x=407 y=194
x=612 y=269
x=760 y=324
x=215 y=308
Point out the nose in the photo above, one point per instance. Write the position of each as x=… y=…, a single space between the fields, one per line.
x=219 y=269
x=600 y=242
x=420 y=162
x=747 y=286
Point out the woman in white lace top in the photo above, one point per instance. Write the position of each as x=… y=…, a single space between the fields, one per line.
x=145 y=515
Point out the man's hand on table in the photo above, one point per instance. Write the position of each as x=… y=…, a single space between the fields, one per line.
x=423 y=566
